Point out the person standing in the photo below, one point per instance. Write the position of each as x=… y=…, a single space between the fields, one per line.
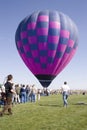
x=23 y=93
x=33 y=93
x=65 y=93
x=38 y=94
x=17 y=89
x=8 y=93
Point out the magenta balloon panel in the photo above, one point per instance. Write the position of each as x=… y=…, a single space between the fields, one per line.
x=46 y=41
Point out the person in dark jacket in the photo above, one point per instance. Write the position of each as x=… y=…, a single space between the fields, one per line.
x=8 y=93
x=23 y=93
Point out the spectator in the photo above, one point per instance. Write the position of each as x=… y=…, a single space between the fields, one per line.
x=17 y=89
x=27 y=93
x=8 y=92
x=65 y=92
x=23 y=94
x=38 y=94
x=33 y=93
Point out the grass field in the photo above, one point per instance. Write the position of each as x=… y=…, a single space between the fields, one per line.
x=48 y=114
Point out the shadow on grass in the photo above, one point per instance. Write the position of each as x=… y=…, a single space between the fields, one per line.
x=80 y=103
x=49 y=105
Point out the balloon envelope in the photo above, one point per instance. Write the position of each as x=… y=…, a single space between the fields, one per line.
x=46 y=41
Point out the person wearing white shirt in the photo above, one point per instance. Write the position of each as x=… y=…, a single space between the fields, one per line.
x=65 y=92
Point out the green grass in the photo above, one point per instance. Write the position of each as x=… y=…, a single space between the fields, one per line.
x=48 y=114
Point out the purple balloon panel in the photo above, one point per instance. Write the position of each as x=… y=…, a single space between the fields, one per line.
x=46 y=41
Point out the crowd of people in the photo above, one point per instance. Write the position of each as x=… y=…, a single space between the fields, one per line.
x=25 y=93
x=11 y=94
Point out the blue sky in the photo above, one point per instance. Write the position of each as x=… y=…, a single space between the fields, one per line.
x=11 y=14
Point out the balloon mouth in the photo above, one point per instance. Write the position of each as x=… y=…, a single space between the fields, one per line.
x=45 y=80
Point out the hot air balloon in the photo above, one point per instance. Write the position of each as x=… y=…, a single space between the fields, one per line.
x=46 y=41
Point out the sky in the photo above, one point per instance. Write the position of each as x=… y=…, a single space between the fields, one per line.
x=12 y=12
